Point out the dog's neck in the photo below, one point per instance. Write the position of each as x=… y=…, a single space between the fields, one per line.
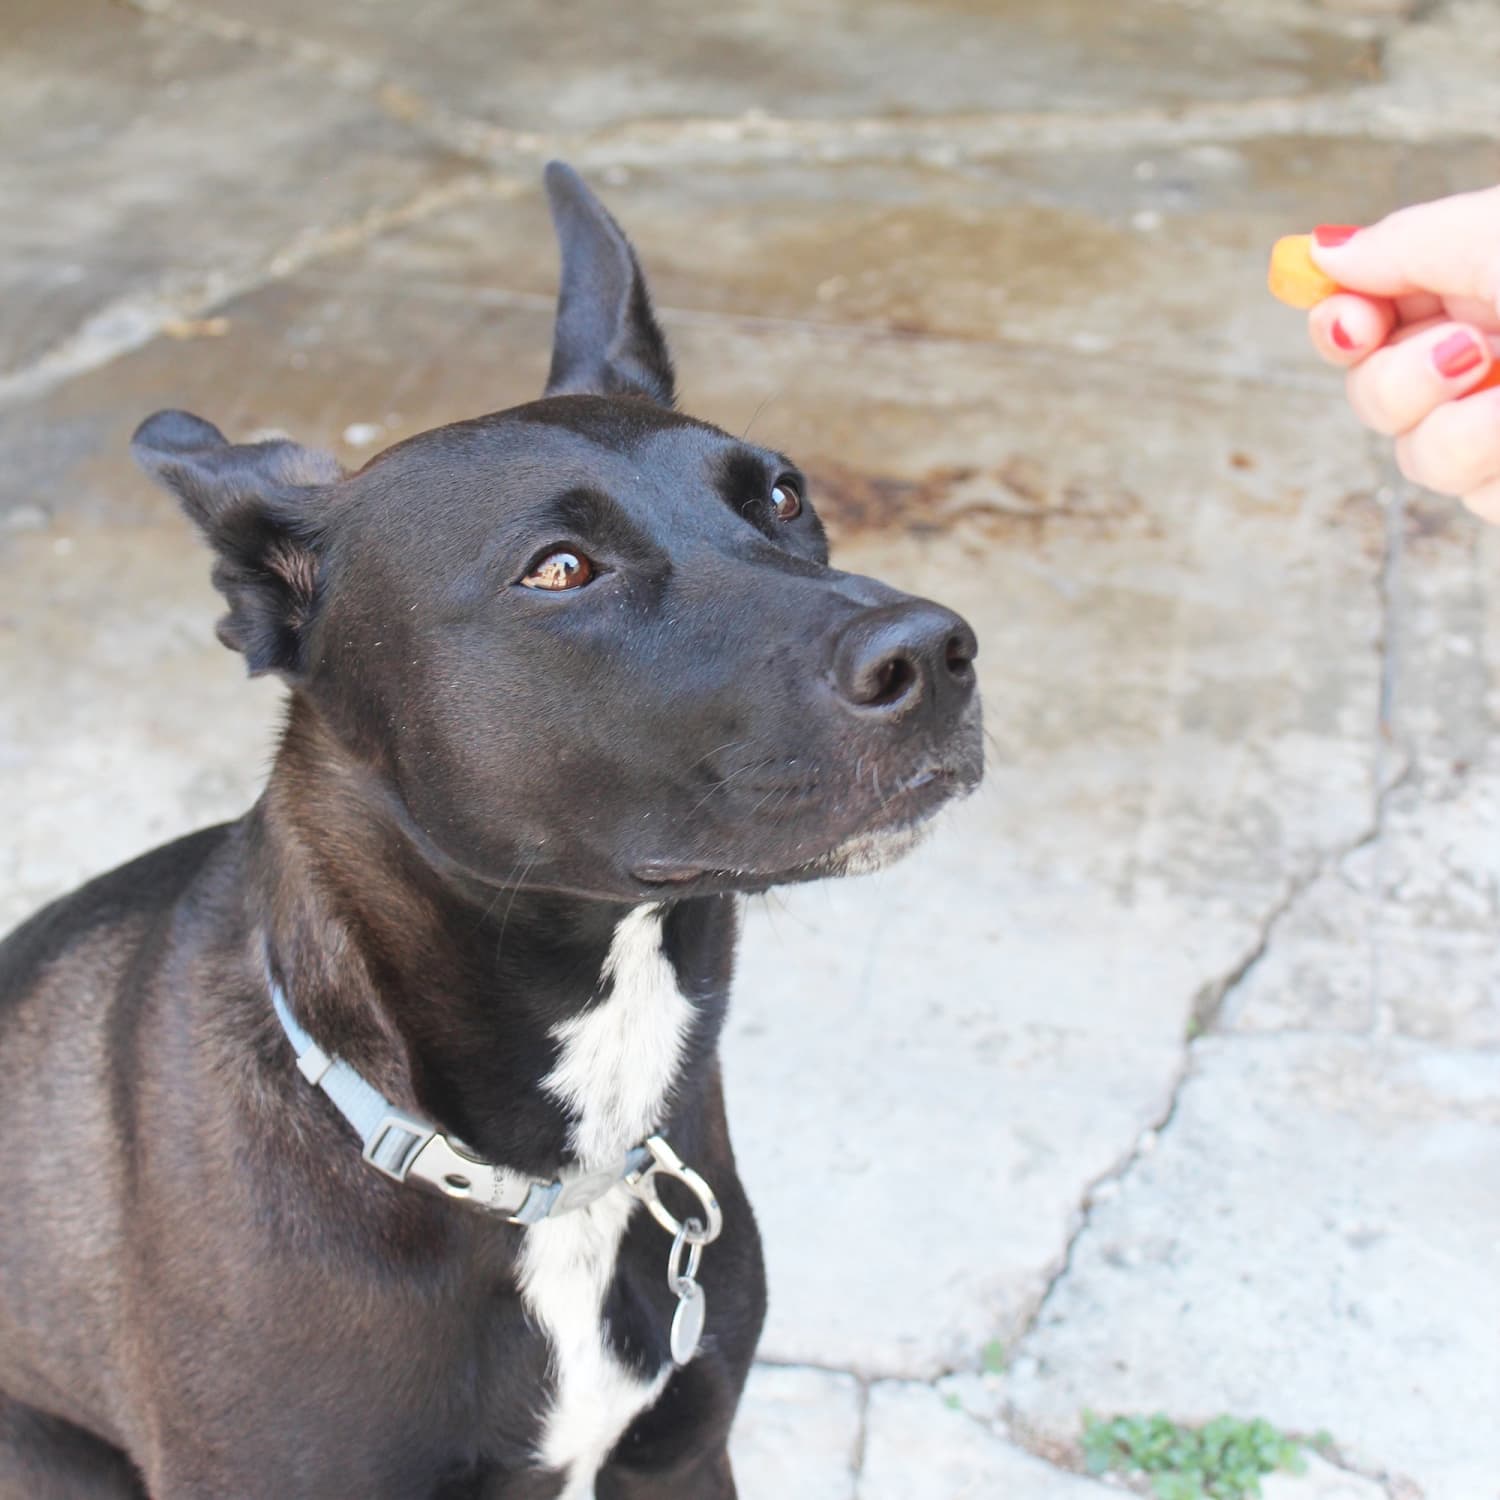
x=484 y=1007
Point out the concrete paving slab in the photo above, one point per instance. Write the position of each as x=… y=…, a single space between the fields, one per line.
x=148 y=163
x=1445 y=649
x=919 y=1447
x=536 y=67
x=798 y=1434
x=1441 y=65
x=1321 y=1481
x=1312 y=1241
x=1051 y=246
x=123 y=723
x=1398 y=938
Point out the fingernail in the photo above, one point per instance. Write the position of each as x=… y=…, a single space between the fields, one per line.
x=1457 y=355
x=1340 y=336
x=1331 y=236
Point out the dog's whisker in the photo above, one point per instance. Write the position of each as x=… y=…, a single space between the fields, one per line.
x=755 y=415
x=718 y=749
x=758 y=765
x=500 y=890
x=515 y=891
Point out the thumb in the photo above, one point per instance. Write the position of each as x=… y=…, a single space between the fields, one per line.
x=1450 y=248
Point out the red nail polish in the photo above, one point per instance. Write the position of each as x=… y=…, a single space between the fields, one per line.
x=1331 y=236
x=1340 y=336
x=1457 y=355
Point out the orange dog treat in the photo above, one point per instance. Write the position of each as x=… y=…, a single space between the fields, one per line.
x=1293 y=278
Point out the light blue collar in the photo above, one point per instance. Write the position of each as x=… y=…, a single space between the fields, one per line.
x=405 y=1147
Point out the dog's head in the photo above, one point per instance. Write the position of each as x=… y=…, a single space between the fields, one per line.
x=590 y=643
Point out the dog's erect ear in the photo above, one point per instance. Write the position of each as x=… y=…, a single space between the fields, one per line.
x=607 y=342
x=258 y=504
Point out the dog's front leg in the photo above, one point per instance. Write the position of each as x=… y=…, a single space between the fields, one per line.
x=707 y=1477
x=678 y=1449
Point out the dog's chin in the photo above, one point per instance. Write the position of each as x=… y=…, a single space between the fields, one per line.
x=903 y=823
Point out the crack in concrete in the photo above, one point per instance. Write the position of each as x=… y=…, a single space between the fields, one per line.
x=1387 y=741
x=861 y=1438
x=819 y=1367
x=1207 y=1007
x=1393 y=1486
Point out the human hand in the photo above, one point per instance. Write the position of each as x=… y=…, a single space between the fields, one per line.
x=1418 y=329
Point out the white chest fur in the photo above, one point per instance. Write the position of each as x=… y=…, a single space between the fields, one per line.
x=614 y=1074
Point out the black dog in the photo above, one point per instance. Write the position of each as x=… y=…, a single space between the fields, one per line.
x=564 y=681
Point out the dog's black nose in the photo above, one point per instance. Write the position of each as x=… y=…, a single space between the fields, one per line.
x=886 y=661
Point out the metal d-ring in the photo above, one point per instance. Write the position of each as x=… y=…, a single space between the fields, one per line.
x=683 y=1240
x=665 y=1161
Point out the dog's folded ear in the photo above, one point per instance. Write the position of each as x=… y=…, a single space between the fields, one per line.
x=259 y=506
x=607 y=342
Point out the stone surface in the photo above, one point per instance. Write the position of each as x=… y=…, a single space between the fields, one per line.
x=1440 y=65
x=146 y=163
x=920 y=1448
x=1312 y=1241
x=581 y=67
x=1399 y=937
x=1322 y=1481
x=1058 y=247
x=798 y=1434
x=123 y=722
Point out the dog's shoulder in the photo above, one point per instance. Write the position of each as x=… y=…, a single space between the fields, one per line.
x=106 y=910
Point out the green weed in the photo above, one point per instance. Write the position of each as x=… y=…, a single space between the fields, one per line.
x=1225 y=1459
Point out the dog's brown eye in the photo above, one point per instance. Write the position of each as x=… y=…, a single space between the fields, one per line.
x=785 y=500
x=559 y=570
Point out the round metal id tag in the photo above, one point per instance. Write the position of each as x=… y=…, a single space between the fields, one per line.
x=687 y=1321
x=692 y=1305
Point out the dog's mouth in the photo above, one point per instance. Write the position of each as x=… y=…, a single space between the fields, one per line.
x=900 y=824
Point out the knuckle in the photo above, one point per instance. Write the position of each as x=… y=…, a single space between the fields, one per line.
x=1443 y=456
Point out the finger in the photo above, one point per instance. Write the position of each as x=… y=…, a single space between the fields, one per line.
x=1485 y=502
x=1448 y=247
x=1473 y=310
x=1455 y=450
x=1419 y=307
x=1397 y=386
x=1345 y=328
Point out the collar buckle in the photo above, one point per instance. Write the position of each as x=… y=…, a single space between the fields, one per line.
x=396 y=1142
